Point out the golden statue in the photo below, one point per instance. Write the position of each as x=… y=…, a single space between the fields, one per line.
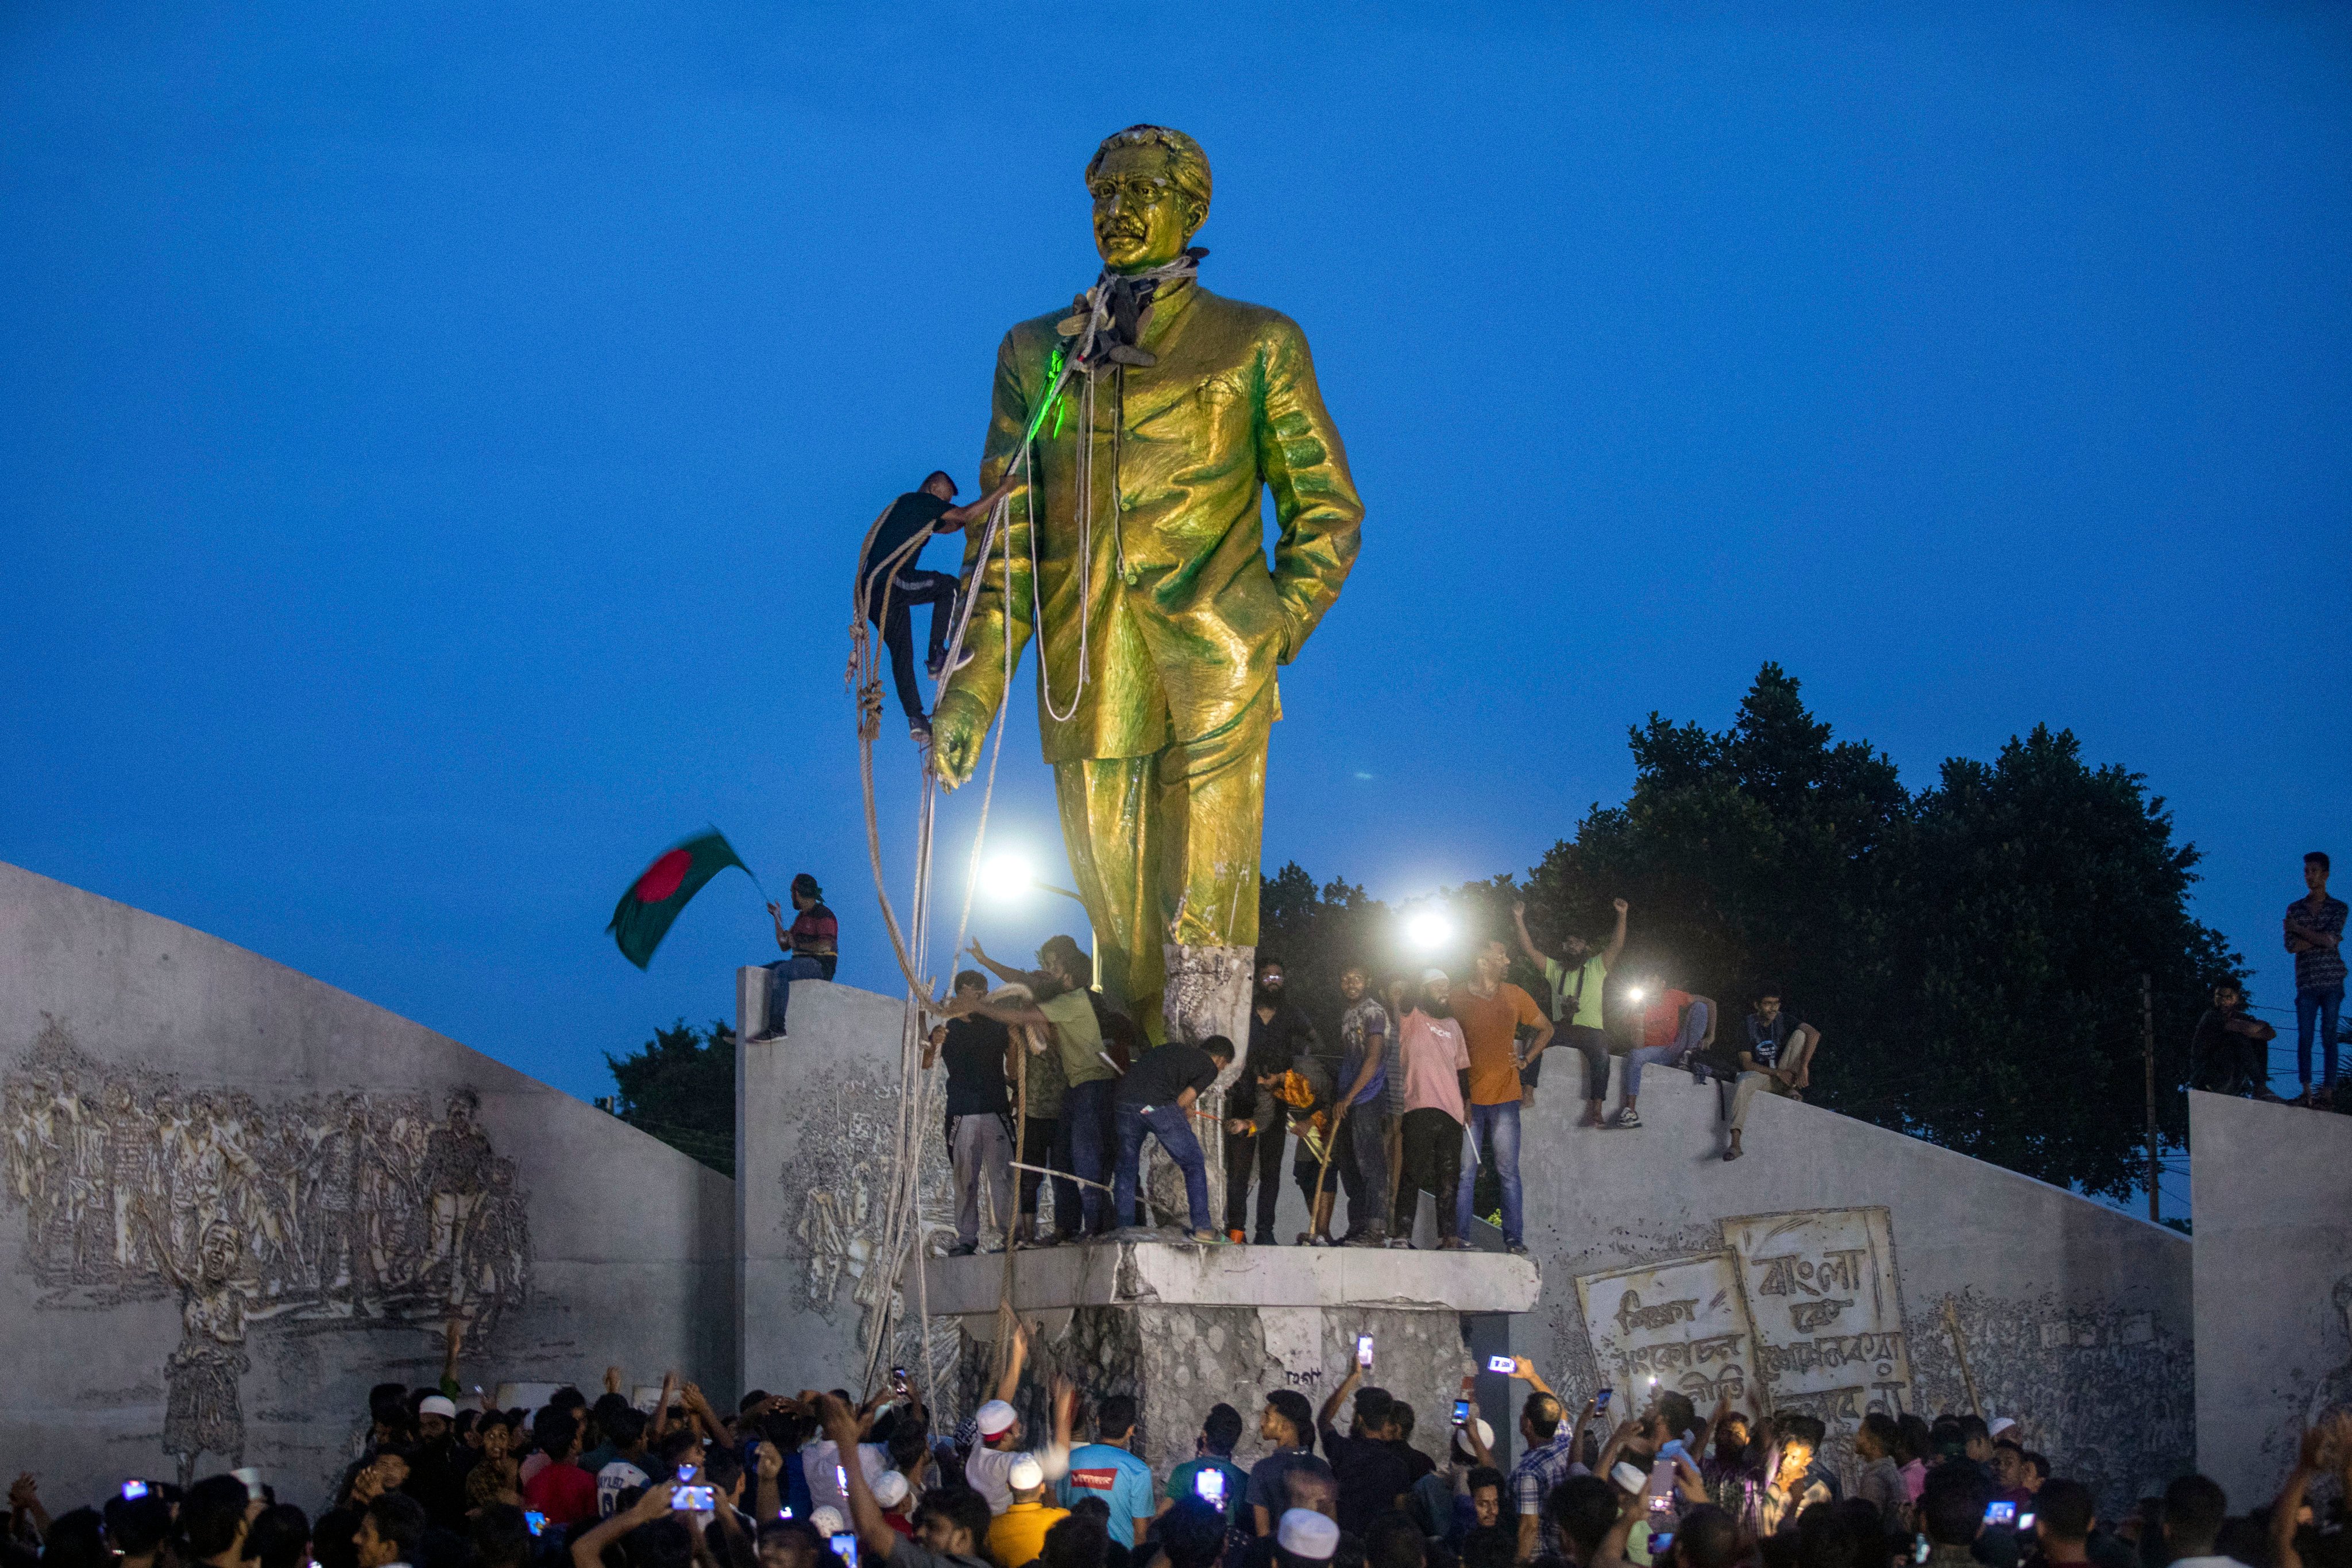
x=1136 y=555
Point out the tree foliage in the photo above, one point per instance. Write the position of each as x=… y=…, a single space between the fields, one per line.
x=1972 y=950
x=679 y=1085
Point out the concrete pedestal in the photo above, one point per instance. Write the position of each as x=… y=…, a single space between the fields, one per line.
x=1182 y=1328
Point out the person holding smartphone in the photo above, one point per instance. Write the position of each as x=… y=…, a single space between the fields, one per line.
x=1212 y=1455
x=955 y=1522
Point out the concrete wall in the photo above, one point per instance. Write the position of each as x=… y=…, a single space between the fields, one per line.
x=2271 y=1187
x=2077 y=1319
x=235 y=1197
x=816 y=1114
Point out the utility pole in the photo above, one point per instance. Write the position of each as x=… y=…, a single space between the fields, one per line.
x=2148 y=1058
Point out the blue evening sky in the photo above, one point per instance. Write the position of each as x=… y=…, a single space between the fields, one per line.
x=434 y=439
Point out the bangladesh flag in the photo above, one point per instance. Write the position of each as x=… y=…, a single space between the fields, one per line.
x=642 y=917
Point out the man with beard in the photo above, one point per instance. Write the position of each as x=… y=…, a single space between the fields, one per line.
x=1577 y=978
x=1280 y=1039
x=1436 y=1060
x=438 y=1464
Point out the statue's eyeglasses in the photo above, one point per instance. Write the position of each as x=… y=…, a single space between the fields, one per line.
x=1136 y=190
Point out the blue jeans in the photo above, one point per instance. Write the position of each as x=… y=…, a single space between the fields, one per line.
x=1504 y=1120
x=2319 y=1009
x=782 y=973
x=1173 y=1127
x=1693 y=1030
x=1082 y=1137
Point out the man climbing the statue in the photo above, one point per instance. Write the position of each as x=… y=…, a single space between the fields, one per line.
x=1152 y=416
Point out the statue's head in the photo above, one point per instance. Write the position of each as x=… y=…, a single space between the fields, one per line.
x=1151 y=189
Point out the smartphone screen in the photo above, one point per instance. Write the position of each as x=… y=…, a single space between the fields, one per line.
x=1661 y=1540
x=537 y=1520
x=1363 y=1350
x=2024 y=1524
x=1920 y=1549
x=1209 y=1484
x=694 y=1500
x=133 y=1489
x=685 y=1473
x=2000 y=1511
x=844 y=1546
x=1462 y=1413
x=1502 y=1363
x=1601 y=1400
x=841 y=1479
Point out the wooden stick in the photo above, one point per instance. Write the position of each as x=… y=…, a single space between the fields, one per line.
x=1960 y=1350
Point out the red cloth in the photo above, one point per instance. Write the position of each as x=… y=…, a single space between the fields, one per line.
x=564 y=1492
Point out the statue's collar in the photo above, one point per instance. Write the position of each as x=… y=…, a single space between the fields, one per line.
x=1108 y=325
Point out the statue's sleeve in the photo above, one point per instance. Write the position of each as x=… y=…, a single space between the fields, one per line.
x=1001 y=604
x=1315 y=501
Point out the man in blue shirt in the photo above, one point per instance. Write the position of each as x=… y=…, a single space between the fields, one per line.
x=1106 y=1468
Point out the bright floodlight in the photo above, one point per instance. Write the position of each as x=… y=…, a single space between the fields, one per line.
x=1635 y=994
x=1007 y=876
x=1428 y=931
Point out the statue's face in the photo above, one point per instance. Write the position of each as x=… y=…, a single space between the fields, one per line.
x=1142 y=219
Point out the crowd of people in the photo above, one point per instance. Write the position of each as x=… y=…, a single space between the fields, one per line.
x=816 y=1480
x=1416 y=1081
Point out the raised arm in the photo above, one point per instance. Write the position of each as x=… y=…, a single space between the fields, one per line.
x=1469 y=1427
x=1616 y=947
x=2310 y=1462
x=1008 y=1382
x=1339 y=1395
x=1536 y=955
x=874 y=1531
x=588 y=1551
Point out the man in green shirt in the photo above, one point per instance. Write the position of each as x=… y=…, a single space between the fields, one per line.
x=1082 y=1137
x=1214 y=1451
x=1575 y=987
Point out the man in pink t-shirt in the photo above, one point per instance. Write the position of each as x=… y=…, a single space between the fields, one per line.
x=1435 y=1057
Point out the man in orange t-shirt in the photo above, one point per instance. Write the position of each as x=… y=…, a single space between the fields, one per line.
x=1491 y=1010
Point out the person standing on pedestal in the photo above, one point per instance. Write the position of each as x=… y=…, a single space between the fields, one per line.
x=1161 y=622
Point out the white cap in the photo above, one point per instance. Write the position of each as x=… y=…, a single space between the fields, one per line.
x=1628 y=1477
x=1998 y=1424
x=827 y=1521
x=996 y=1418
x=1024 y=1474
x=1303 y=1532
x=890 y=1488
x=1433 y=973
x=436 y=1405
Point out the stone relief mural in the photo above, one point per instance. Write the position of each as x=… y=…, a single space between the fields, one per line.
x=353 y=1208
x=836 y=1185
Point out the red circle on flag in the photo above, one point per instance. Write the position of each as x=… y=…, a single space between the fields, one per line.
x=662 y=878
